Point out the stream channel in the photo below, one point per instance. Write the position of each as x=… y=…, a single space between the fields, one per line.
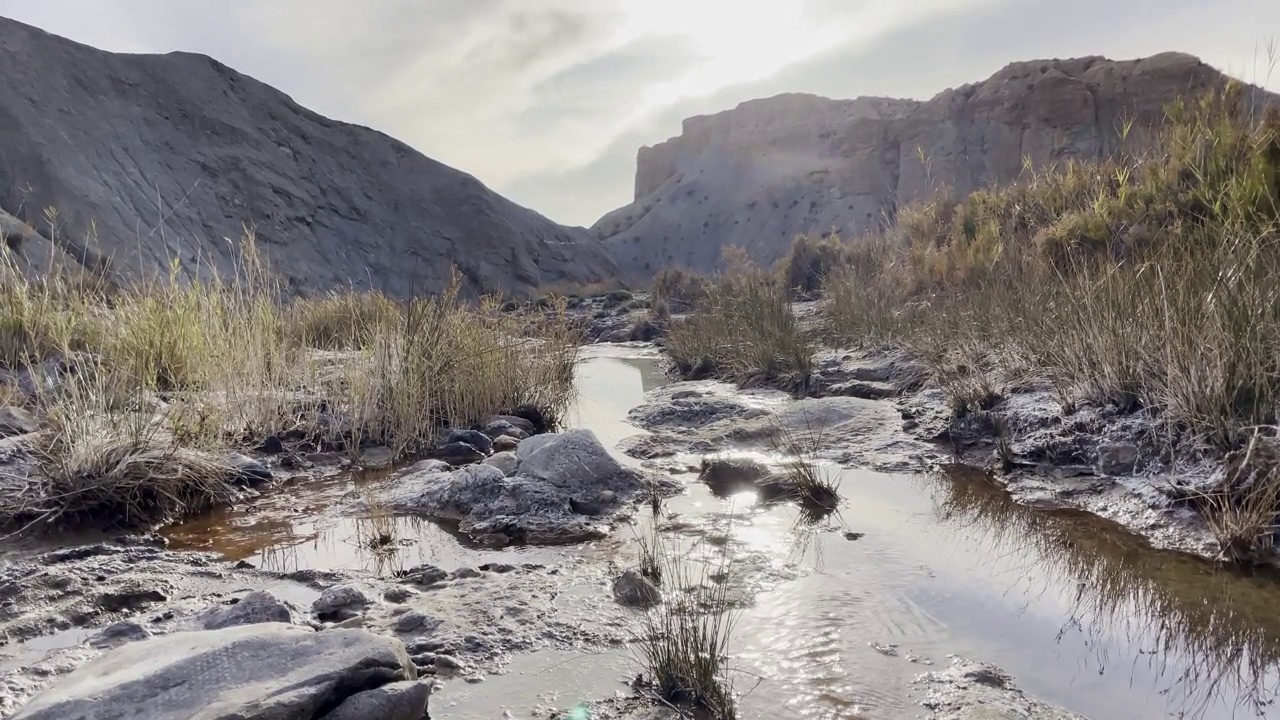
x=1084 y=615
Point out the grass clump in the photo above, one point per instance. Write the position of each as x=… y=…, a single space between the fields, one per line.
x=810 y=262
x=145 y=390
x=812 y=489
x=684 y=642
x=678 y=290
x=745 y=331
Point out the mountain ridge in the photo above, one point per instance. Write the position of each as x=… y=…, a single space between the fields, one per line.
x=149 y=158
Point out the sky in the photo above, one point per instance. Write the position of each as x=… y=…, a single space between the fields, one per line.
x=547 y=101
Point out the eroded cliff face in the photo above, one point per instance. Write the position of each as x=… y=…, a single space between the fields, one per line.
x=762 y=173
x=153 y=158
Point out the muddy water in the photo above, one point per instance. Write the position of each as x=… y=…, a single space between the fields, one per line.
x=1083 y=614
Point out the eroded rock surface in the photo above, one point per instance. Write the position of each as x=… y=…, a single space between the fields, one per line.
x=768 y=170
x=971 y=690
x=556 y=477
x=253 y=672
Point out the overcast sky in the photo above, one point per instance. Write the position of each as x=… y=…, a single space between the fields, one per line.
x=547 y=101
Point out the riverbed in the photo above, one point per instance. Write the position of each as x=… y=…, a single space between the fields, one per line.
x=835 y=618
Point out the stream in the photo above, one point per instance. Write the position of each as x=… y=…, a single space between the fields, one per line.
x=835 y=624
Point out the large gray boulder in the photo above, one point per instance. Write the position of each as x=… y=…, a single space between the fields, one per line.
x=260 y=606
x=253 y=672
x=161 y=158
x=553 y=475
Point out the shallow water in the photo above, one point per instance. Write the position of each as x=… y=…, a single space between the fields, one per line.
x=1083 y=614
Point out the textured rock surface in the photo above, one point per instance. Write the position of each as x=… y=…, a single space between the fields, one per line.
x=971 y=690
x=252 y=672
x=259 y=606
x=542 y=501
x=758 y=175
x=164 y=156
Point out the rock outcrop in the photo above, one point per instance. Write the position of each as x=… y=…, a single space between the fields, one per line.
x=254 y=672
x=152 y=159
x=761 y=174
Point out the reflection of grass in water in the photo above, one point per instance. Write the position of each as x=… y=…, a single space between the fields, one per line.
x=1223 y=621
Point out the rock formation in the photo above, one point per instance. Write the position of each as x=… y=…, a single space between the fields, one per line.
x=762 y=173
x=152 y=159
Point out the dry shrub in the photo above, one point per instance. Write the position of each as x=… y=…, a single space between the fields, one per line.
x=810 y=262
x=745 y=330
x=678 y=290
x=233 y=365
x=684 y=641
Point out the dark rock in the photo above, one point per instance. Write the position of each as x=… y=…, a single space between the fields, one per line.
x=396 y=701
x=459 y=453
x=424 y=575
x=296 y=462
x=247 y=470
x=590 y=509
x=257 y=607
x=474 y=438
x=635 y=590
x=271 y=446
x=376 y=458
x=414 y=621
x=909 y=425
x=850 y=535
x=466 y=573
x=133 y=599
x=323 y=458
x=525 y=426
x=17 y=421
x=252 y=672
x=531 y=506
x=399 y=594
x=498 y=428
x=500 y=568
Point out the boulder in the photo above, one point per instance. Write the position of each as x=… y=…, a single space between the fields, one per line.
x=525 y=426
x=635 y=590
x=117 y=634
x=340 y=602
x=397 y=701
x=376 y=458
x=459 y=453
x=474 y=438
x=16 y=421
x=257 y=607
x=248 y=471
x=252 y=672
x=504 y=443
x=535 y=503
x=505 y=461
x=498 y=428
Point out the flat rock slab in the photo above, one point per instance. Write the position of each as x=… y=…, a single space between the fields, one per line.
x=265 y=671
x=970 y=690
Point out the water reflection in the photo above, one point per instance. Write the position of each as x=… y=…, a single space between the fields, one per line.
x=1210 y=633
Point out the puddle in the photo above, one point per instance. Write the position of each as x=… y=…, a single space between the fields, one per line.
x=1083 y=614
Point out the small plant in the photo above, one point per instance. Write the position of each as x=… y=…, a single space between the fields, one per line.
x=683 y=643
x=1242 y=512
x=814 y=490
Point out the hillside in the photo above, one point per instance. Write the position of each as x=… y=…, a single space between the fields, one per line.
x=152 y=158
x=762 y=173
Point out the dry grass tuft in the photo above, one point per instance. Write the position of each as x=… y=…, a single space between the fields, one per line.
x=744 y=331
x=142 y=385
x=817 y=492
x=684 y=642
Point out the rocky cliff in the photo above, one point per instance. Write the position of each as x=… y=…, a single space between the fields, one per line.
x=153 y=158
x=762 y=173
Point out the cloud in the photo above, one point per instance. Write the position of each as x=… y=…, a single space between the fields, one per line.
x=549 y=101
